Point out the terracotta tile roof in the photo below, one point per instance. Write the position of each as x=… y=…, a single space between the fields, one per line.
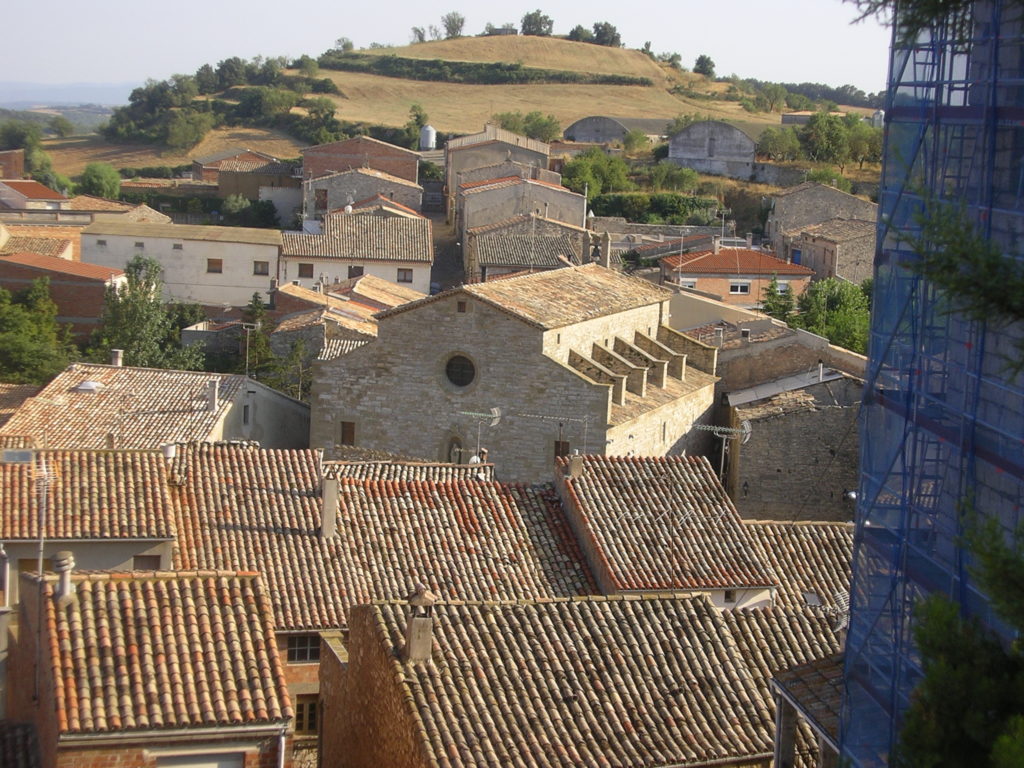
x=383 y=145
x=733 y=261
x=805 y=557
x=542 y=251
x=63 y=266
x=142 y=407
x=51 y=247
x=521 y=219
x=313 y=298
x=247 y=235
x=268 y=167
x=558 y=297
x=592 y=681
x=148 y=651
x=377 y=290
x=228 y=154
x=817 y=688
x=374 y=238
x=841 y=230
x=143 y=213
x=12 y=396
x=502 y=180
x=17 y=441
x=475 y=187
x=93 y=203
x=19 y=746
x=493 y=133
x=90 y=495
x=373 y=173
x=663 y=524
x=380 y=201
x=408 y=471
x=63 y=232
x=335 y=348
x=260 y=510
x=33 y=190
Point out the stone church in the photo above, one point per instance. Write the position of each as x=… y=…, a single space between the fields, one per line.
x=580 y=358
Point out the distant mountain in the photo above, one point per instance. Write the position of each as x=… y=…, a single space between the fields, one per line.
x=22 y=95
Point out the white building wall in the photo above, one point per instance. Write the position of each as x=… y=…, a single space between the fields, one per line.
x=186 y=276
x=335 y=270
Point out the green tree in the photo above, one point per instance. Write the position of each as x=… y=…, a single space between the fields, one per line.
x=837 y=310
x=453 y=22
x=777 y=303
x=61 y=126
x=865 y=143
x=261 y=362
x=344 y=45
x=581 y=34
x=774 y=95
x=33 y=347
x=186 y=128
x=417 y=119
x=779 y=144
x=206 y=79
x=635 y=142
x=101 y=180
x=534 y=124
x=826 y=176
x=537 y=23
x=704 y=66
x=679 y=122
x=136 y=320
x=597 y=173
x=307 y=66
x=606 y=34
x=826 y=139
x=666 y=175
x=231 y=72
x=419 y=35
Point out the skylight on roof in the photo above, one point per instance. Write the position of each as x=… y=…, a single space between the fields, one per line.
x=89 y=386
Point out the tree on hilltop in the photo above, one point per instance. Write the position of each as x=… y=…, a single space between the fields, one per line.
x=606 y=34
x=537 y=23
x=704 y=66
x=453 y=22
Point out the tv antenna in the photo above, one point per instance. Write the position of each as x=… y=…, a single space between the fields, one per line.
x=741 y=433
x=492 y=418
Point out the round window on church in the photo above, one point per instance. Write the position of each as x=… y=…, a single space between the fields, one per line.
x=460 y=371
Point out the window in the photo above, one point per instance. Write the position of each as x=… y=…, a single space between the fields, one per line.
x=404 y=275
x=561 y=448
x=354 y=271
x=739 y=288
x=261 y=267
x=685 y=284
x=140 y=245
x=321 y=199
x=783 y=287
x=245 y=415
x=460 y=307
x=303 y=648
x=711 y=146
x=348 y=433
x=305 y=714
x=305 y=270
x=730 y=595
x=146 y=563
x=101 y=243
x=215 y=266
x=460 y=371
x=178 y=247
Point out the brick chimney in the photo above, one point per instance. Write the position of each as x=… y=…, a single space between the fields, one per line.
x=329 y=512
x=117 y=357
x=419 y=632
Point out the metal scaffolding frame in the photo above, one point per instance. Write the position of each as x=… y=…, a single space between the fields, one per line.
x=943 y=415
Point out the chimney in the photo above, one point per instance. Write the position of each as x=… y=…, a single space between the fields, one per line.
x=750 y=239
x=575 y=465
x=716 y=244
x=606 y=251
x=745 y=334
x=329 y=512
x=169 y=450
x=213 y=394
x=419 y=632
x=111 y=441
x=117 y=357
x=64 y=564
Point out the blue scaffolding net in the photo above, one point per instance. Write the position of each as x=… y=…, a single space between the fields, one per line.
x=943 y=416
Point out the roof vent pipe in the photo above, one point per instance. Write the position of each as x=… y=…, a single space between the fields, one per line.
x=716 y=244
x=213 y=394
x=64 y=564
x=117 y=357
x=575 y=465
x=169 y=450
x=329 y=513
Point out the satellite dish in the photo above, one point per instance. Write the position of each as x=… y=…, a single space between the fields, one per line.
x=495 y=417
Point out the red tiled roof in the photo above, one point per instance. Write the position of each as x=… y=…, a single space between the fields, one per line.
x=64 y=266
x=383 y=201
x=141 y=407
x=149 y=651
x=733 y=261
x=93 y=203
x=33 y=190
x=373 y=238
x=663 y=523
x=488 y=182
x=90 y=495
x=383 y=145
x=250 y=509
x=52 y=247
x=373 y=172
x=12 y=396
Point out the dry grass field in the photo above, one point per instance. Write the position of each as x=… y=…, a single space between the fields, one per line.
x=71 y=155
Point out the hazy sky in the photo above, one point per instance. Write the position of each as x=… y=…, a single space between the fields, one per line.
x=121 y=41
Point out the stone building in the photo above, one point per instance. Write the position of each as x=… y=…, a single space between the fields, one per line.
x=580 y=357
x=488 y=202
x=324 y=194
x=737 y=276
x=795 y=209
x=504 y=170
x=599 y=129
x=711 y=146
x=490 y=146
x=524 y=242
x=843 y=248
x=207 y=168
x=249 y=177
x=360 y=152
x=814 y=414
